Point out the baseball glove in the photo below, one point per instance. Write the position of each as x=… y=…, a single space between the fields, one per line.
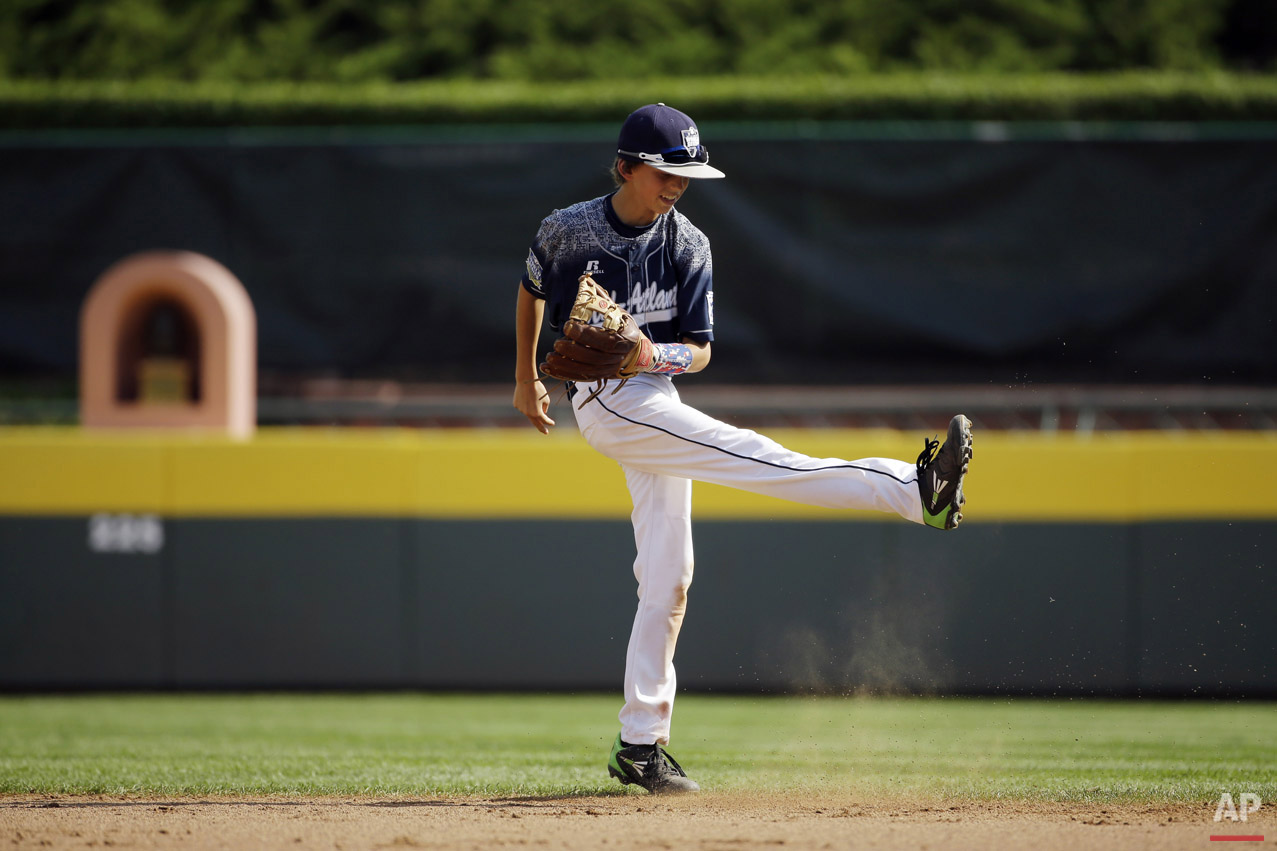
x=612 y=348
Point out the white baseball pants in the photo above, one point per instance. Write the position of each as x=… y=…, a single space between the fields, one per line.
x=664 y=445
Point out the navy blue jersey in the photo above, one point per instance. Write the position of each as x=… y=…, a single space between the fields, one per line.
x=662 y=274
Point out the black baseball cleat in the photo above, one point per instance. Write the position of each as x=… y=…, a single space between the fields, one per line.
x=649 y=766
x=940 y=473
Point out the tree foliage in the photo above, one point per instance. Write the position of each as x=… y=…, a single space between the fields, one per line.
x=546 y=40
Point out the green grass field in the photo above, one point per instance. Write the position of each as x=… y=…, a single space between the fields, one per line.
x=556 y=745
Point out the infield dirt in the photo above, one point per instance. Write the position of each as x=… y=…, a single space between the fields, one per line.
x=708 y=821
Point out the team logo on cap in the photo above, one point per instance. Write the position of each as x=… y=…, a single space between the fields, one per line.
x=692 y=141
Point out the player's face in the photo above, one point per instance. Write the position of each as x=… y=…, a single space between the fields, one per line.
x=655 y=192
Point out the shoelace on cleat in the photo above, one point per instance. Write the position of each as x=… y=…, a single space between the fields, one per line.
x=930 y=449
x=669 y=762
x=660 y=764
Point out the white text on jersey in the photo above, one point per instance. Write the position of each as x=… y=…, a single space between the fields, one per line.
x=649 y=304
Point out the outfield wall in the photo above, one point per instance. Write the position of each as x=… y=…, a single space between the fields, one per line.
x=1105 y=564
x=1085 y=252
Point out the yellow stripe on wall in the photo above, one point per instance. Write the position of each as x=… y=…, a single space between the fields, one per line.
x=498 y=473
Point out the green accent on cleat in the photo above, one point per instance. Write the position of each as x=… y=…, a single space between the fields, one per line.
x=613 y=766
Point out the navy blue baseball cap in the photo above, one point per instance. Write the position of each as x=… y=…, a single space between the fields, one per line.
x=665 y=139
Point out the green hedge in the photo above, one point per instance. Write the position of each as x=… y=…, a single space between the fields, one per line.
x=1124 y=97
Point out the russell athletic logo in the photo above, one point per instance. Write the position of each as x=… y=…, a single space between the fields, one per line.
x=1247 y=803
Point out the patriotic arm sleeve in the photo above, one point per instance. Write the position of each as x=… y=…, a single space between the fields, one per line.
x=671 y=358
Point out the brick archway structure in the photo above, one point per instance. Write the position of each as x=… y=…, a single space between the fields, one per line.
x=200 y=314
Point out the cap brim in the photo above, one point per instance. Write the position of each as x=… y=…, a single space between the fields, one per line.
x=688 y=169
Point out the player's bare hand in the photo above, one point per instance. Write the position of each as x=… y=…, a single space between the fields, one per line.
x=533 y=401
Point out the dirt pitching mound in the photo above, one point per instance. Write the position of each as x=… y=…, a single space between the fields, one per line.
x=706 y=822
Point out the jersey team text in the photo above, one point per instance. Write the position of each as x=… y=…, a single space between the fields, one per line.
x=662 y=274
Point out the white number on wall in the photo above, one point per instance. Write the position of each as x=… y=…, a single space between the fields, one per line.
x=126 y=533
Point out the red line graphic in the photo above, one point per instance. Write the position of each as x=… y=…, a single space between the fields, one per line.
x=1235 y=837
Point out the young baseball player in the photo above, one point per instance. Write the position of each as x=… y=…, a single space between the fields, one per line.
x=656 y=265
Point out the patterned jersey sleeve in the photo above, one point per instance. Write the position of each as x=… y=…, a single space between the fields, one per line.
x=540 y=257
x=696 y=284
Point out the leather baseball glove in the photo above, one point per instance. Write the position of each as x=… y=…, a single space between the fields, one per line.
x=600 y=341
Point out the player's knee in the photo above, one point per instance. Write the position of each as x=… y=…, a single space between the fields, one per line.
x=672 y=597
